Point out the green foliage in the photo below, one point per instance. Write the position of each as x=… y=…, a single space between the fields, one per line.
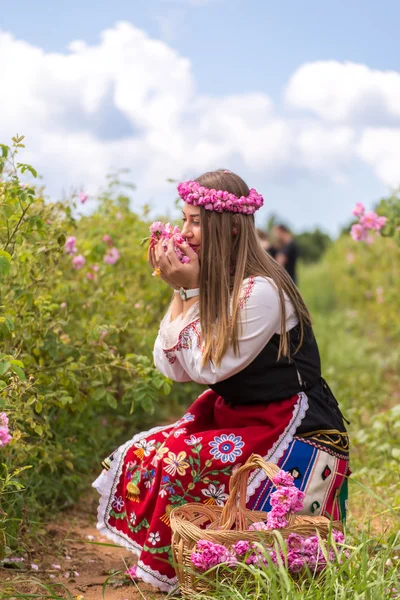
x=366 y=280
x=390 y=208
x=313 y=245
x=355 y=304
x=76 y=368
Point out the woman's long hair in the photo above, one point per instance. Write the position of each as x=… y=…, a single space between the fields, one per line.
x=231 y=252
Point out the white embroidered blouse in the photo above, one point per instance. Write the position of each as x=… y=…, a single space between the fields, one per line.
x=178 y=347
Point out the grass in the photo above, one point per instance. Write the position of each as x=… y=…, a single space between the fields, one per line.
x=371 y=573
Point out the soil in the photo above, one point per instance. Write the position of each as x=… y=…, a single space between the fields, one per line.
x=87 y=563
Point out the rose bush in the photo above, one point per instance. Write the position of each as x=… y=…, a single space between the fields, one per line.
x=76 y=368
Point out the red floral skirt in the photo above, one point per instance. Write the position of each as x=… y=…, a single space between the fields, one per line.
x=192 y=461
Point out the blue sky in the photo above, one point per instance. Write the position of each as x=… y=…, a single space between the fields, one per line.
x=237 y=47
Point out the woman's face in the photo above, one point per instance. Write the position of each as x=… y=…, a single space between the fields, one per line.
x=191 y=229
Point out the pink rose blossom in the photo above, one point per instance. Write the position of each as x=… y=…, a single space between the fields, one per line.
x=157 y=229
x=5 y=437
x=259 y=526
x=91 y=276
x=70 y=247
x=78 y=262
x=368 y=220
x=63 y=305
x=358 y=233
x=241 y=547
x=358 y=210
x=283 y=478
x=294 y=541
x=131 y=572
x=276 y=522
x=380 y=222
x=3 y=419
x=372 y=221
x=338 y=536
x=296 y=563
x=112 y=256
x=107 y=239
x=83 y=197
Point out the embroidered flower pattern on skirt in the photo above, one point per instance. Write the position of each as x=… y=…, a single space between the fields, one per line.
x=227 y=447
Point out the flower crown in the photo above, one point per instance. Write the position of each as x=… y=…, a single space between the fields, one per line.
x=219 y=200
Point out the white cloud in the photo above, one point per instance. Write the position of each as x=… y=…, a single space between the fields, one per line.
x=345 y=92
x=380 y=148
x=131 y=101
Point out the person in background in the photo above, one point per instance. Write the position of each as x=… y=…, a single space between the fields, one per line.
x=266 y=243
x=288 y=250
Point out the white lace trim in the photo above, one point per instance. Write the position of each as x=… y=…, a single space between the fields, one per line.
x=106 y=485
x=281 y=445
x=162 y=582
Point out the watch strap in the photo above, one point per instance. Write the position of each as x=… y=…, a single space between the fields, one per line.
x=191 y=293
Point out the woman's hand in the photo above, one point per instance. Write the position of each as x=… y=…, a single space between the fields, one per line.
x=154 y=263
x=172 y=270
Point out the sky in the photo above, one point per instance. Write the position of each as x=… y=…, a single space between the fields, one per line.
x=300 y=99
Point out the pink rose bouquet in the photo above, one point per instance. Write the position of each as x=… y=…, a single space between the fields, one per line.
x=159 y=231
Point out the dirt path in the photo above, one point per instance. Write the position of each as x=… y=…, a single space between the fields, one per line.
x=72 y=544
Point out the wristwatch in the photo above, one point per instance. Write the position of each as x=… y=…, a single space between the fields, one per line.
x=186 y=294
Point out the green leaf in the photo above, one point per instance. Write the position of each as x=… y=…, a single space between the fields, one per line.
x=111 y=401
x=24 y=168
x=10 y=327
x=167 y=388
x=99 y=394
x=147 y=404
x=4 y=366
x=38 y=429
x=19 y=363
x=6 y=255
x=5 y=262
x=66 y=400
x=18 y=371
x=38 y=406
x=2 y=384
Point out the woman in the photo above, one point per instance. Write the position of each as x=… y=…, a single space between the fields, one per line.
x=238 y=324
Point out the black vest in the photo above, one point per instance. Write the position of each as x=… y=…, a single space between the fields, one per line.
x=268 y=379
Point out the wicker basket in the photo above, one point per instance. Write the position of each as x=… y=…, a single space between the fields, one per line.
x=229 y=524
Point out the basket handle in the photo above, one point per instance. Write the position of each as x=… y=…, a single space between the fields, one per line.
x=235 y=507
